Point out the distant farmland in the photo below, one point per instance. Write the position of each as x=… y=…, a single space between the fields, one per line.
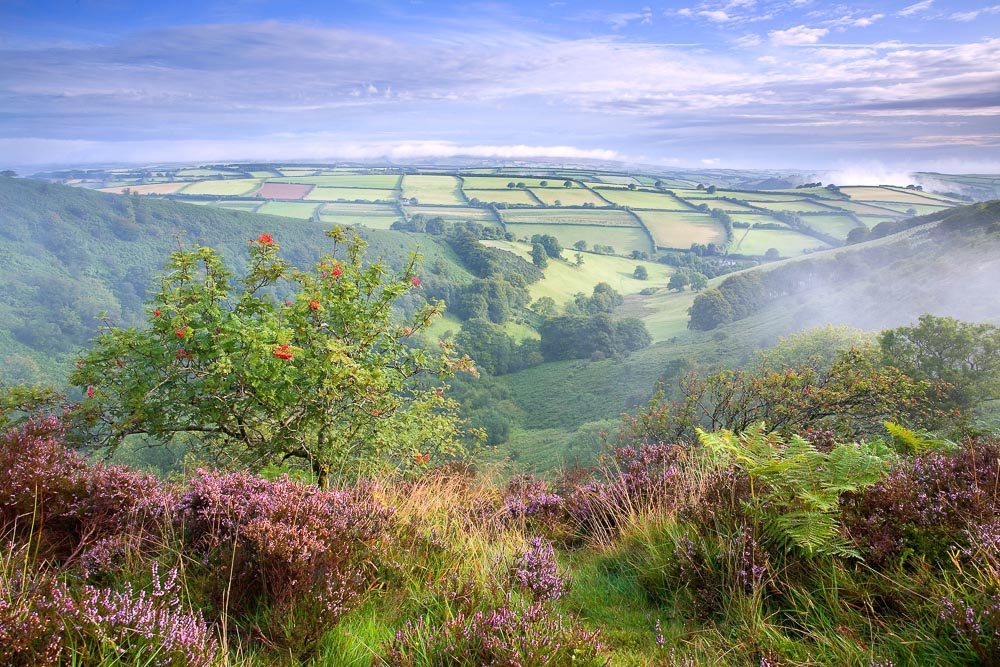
x=630 y=213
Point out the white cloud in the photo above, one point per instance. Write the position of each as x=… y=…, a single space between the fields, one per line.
x=747 y=40
x=768 y=60
x=921 y=6
x=972 y=15
x=797 y=36
x=717 y=15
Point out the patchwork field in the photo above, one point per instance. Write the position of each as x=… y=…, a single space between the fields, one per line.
x=680 y=230
x=838 y=225
x=374 y=216
x=565 y=279
x=866 y=209
x=148 y=188
x=500 y=182
x=582 y=216
x=227 y=188
x=874 y=194
x=370 y=181
x=800 y=206
x=289 y=209
x=453 y=213
x=787 y=243
x=642 y=199
x=567 y=196
x=502 y=196
x=433 y=189
x=350 y=194
x=273 y=190
x=239 y=205
x=623 y=239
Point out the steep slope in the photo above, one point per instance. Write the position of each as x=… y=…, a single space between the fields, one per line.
x=68 y=254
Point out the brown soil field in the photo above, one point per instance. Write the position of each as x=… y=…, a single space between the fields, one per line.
x=282 y=191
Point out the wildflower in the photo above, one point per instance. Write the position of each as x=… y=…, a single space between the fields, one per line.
x=406 y=331
x=288 y=303
x=421 y=458
x=439 y=392
x=314 y=304
x=90 y=391
x=336 y=272
x=265 y=239
x=156 y=312
x=415 y=281
x=375 y=412
x=181 y=332
x=282 y=352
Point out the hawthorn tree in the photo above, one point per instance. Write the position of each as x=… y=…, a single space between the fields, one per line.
x=323 y=374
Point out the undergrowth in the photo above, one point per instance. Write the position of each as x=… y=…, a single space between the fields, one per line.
x=751 y=550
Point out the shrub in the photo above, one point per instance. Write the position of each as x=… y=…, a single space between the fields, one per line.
x=283 y=547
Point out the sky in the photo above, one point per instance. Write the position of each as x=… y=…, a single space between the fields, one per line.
x=796 y=84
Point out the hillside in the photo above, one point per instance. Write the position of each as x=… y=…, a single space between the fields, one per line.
x=948 y=266
x=68 y=254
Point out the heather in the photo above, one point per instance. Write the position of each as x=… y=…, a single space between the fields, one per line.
x=734 y=549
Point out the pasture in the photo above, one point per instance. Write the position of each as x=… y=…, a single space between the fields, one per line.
x=368 y=181
x=289 y=209
x=433 y=190
x=623 y=239
x=570 y=216
x=453 y=213
x=837 y=224
x=147 y=189
x=680 y=230
x=642 y=199
x=867 y=209
x=567 y=196
x=273 y=190
x=879 y=194
x=500 y=182
x=502 y=196
x=235 y=187
x=565 y=279
x=799 y=206
x=373 y=216
x=350 y=194
x=788 y=243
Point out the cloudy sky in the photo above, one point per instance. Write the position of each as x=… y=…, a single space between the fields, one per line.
x=743 y=83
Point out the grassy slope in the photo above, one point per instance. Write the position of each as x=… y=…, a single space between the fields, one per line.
x=69 y=253
x=891 y=281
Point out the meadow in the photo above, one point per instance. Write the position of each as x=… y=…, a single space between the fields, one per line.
x=623 y=240
x=433 y=190
x=680 y=230
x=567 y=196
x=641 y=199
x=788 y=243
x=518 y=197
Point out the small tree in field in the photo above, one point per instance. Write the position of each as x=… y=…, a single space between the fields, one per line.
x=324 y=376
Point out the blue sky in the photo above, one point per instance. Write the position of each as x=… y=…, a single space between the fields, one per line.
x=738 y=83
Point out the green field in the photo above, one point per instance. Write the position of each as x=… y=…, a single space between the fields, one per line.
x=800 y=206
x=753 y=218
x=500 y=182
x=577 y=216
x=299 y=171
x=866 y=209
x=729 y=206
x=873 y=194
x=567 y=196
x=642 y=199
x=623 y=239
x=148 y=188
x=369 y=181
x=231 y=188
x=616 y=179
x=836 y=225
x=433 y=190
x=373 y=216
x=453 y=213
x=238 y=205
x=502 y=196
x=680 y=230
x=921 y=209
x=564 y=279
x=289 y=209
x=789 y=243
x=199 y=172
x=350 y=194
